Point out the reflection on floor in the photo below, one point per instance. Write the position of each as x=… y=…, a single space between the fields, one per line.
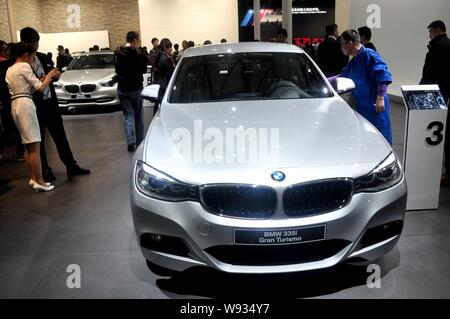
x=87 y=222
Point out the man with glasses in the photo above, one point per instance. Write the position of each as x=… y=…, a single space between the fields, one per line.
x=372 y=77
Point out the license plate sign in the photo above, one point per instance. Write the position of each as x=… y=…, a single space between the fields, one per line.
x=288 y=236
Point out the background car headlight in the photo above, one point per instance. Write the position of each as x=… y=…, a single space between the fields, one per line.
x=385 y=175
x=57 y=86
x=156 y=184
x=108 y=83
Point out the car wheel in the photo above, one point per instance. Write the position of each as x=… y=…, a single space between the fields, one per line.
x=160 y=271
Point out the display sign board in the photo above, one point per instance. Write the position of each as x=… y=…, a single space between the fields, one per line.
x=309 y=18
x=426 y=119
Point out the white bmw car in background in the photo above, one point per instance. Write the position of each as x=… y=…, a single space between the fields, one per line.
x=86 y=81
x=335 y=193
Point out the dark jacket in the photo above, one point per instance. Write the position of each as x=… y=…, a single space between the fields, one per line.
x=5 y=98
x=370 y=45
x=130 y=66
x=63 y=61
x=330 y=57
x=437 y=65
x=165 y=71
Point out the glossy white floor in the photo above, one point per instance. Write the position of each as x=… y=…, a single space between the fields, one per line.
x=87 y=222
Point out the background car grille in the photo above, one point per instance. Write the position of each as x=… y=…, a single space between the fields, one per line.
x=242 y=201
x=253 y=255
x=88 y=88
x=317 y=198
x=73 y=89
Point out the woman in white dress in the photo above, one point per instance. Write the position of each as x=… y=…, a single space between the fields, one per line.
x=22 y=83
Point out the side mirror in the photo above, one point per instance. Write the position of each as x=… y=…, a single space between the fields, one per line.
x=150 y=93
x=344 y=85
x=64 y=69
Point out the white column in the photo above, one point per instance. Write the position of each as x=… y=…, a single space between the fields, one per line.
x=12 y=20
x=287 y=18
x=257 y=28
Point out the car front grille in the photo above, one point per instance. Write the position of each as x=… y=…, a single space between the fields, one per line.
x=72 y=89
x=254 y=255
x=317 y=197
x=88 y=88
x=240 y=201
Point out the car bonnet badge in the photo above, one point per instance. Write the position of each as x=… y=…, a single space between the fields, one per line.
x=278 y=176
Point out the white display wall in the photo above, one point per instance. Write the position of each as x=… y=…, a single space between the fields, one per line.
x=400 y=32
x=75 y=41
x=196 y=20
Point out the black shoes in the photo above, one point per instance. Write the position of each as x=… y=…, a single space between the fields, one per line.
x=77 y=170
x=131 y=148
x=48 y=176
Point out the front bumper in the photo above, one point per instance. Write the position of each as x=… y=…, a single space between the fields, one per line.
x=203 y=233
x=102 y=96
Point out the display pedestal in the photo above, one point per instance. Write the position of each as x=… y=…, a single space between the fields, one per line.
x=426 y=117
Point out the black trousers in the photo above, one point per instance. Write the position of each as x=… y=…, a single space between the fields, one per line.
x=50 y=117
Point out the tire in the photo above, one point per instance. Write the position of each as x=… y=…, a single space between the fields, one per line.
x=160 y=271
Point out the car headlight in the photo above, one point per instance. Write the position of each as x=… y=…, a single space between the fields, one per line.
x=108 y=83
x=57 y=86
x=385 y=175
x=156 y=184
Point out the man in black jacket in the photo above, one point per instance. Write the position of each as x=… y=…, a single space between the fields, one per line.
x=63 y=59
x=437 y=71
x=130 y=67
x=49 y=115
x=330 y=56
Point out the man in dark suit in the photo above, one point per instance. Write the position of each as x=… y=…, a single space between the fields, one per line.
x=436 y=70
x=49 y=115
x=63 y=59
x=330 y=56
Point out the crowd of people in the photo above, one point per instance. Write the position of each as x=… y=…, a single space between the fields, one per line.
x=29 y=104
x=131 y=63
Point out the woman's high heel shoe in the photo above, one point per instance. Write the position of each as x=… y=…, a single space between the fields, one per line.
x=31 y=182
x=39 y=188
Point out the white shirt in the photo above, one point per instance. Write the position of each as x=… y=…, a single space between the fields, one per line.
x=21 y=79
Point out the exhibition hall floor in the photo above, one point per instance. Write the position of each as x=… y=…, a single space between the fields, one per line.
x=87 y=222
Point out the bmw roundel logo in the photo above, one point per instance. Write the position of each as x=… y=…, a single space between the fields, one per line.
x=278 y=176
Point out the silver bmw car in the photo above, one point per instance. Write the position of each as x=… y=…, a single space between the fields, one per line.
x=85 y=82
x=255 y=164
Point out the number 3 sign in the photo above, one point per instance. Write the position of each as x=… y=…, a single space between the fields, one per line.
x=426 y=115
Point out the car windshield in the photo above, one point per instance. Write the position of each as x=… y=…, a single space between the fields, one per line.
x=92 y=61
x=247 y=76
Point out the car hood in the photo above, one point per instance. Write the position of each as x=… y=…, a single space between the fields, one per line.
x=317 y=139
x=86 y=76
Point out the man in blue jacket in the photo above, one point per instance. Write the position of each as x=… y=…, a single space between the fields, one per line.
x=372 y=77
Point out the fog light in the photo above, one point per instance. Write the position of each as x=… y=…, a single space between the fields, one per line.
x=156 y=237
x=164 y=244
